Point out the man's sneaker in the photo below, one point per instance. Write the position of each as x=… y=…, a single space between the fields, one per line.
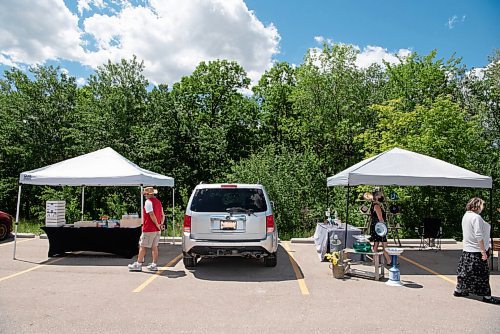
x=136 y=266
x=152 y=267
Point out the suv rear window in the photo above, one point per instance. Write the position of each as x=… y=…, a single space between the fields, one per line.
x=222 y=199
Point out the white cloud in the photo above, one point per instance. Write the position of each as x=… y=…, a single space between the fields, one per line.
x=319 y=39
x=81 y=81
x=452 y=21
x=172 y=37
x=32 y=32
x=85 y=5
x=6 y=61
x=367 y=56
x=377 y=55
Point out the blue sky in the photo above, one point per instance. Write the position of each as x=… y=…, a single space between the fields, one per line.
x=173 y=36
x=421 y=25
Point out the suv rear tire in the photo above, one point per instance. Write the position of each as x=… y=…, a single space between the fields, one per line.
x=271 y=260
x=189 y=262
x=4 y=231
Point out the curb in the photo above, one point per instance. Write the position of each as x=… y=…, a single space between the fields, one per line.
x=26 y=235
x=43 y=236
x=165 y=239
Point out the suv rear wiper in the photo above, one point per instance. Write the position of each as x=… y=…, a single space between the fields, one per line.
x=235 y=209
x=239 y=209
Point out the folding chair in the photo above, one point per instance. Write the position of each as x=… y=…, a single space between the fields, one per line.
x=430 y=233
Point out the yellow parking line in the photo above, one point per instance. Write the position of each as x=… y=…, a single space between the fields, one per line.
x=158 y=273
x=428 y=270
x=12 y=242
x=28 y=270
x=298 y=273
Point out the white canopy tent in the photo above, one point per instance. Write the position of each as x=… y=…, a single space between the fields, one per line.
x=104 y=167
x=405 y=168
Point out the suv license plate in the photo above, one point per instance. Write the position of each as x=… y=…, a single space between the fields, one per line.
x=228 y=225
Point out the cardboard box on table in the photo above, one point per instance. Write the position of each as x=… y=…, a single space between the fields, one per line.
x=55 y=213
x=130 y=222
x=88 y=223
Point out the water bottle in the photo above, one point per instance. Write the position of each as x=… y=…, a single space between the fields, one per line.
x=336 y=221
x=335 y=243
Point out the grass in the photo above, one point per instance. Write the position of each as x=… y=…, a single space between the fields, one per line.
x=27 y=226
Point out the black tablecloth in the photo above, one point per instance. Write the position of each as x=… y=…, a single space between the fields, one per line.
x=120 y=241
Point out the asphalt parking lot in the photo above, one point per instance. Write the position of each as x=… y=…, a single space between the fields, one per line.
x=94 y=292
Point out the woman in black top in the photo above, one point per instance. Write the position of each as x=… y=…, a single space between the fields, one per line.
x=377 y=214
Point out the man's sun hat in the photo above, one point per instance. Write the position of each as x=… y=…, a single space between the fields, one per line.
x=150 y=191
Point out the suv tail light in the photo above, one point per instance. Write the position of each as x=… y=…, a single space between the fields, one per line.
x=269 y=224
x=187 y=223
x=229 y=186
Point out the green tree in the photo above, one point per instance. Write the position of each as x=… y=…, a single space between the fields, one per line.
x=294 y=182
x=330 y=98
x=215 y=123
x=441 y=129
x=118 y=103
x=420 y=79
x=34 y=118
x=273 y=94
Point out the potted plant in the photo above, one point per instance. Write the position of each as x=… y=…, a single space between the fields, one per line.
x=336 y=264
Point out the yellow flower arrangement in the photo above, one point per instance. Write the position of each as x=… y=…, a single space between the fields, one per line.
x=333 y=257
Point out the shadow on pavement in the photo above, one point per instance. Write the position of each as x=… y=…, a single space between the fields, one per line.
x=167 y=253
x=411 y=285
x=167 y=273
x=7 y=239
x=239 y=269
x=443 y=262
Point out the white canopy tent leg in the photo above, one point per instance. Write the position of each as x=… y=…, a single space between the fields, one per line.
x=173 y=216
x=346 y=215
x=17 y=221
x=492 y=228
x=142 y=205
x=83 y=198
x=165 y=231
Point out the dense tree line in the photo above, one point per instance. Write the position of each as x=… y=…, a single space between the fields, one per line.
x=301 y=124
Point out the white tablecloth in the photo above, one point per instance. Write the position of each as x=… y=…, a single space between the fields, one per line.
x=324 y=232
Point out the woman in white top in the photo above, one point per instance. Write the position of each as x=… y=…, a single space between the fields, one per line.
x=473 y=275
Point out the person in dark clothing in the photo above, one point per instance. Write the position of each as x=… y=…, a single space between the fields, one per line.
x=377 y=214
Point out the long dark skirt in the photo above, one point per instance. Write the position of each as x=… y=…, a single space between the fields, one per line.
x=473 y=275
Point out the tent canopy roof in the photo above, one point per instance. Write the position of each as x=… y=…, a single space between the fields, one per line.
x=104 y=167
x=406 y=168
